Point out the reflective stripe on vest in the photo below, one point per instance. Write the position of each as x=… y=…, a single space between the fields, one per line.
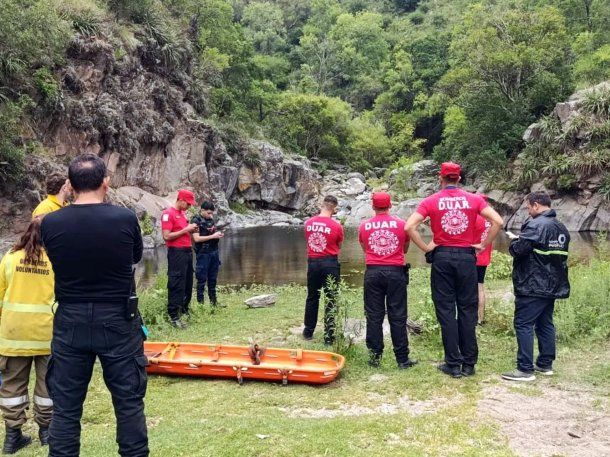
x=42 y=401
x=26 y=308
x=20 y=344
x=14 y=401
x=538 y=251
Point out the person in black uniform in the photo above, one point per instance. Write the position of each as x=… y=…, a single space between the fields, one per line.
x=92 y=246
x=206 y=250
x=540 y=276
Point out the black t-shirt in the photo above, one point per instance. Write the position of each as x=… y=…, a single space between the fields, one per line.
x=207 y=227
x=92 y=248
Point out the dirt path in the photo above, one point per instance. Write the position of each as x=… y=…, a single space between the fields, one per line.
x=555 y=423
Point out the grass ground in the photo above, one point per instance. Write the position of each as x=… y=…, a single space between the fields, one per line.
x=372 y=412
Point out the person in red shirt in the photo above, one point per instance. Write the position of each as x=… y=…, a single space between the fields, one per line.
x=452 y=252
x=384 y=241
x=324 y=236
x=482 y=227
x=177 y=235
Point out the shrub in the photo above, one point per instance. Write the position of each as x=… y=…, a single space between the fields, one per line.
x=346 y=298
x=597 y=102
x=11 y=152
x=49 y=90
x=501 y=266
x=314 y=125
x=32 y=35
x=85 y=16
x=587 y=311
x=146 y=223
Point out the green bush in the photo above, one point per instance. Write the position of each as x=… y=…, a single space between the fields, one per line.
x=587 y=312
x=153 y=302
x=501 y=266
x=32 y=35
x=11 y=152
x=314 y=125
x=49 y=89
x=146 y=224
x=86 y=16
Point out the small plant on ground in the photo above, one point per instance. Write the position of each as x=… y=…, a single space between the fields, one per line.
x=344 y=299
x=147 y=224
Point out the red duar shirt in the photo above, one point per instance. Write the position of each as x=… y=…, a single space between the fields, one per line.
x=453 y=213
x=324 y=236
x=175 y=220
x=384 y=239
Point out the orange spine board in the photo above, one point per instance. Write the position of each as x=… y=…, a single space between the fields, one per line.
x=209 y=360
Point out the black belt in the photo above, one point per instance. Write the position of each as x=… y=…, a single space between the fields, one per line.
x=175 y=248
x=456 y=249
x=206 y=251
x=327 y=257
x=385 y=267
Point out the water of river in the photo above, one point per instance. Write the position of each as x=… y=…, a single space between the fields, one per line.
x=277 y=255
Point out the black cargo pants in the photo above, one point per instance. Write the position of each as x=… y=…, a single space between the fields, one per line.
x=82 y=332
x=455 y=294
x=179 y=281
x=319 y=272
x=385 y=287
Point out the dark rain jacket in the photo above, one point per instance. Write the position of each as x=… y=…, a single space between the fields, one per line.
x=540 y=258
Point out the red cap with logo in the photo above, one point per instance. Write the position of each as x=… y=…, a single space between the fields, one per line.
x=450 y=169
x=382 y=200
x=187 y=196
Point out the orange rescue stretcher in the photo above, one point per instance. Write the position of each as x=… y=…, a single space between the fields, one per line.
x=243 y=362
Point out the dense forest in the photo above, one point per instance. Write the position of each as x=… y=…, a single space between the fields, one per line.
x=371 y=84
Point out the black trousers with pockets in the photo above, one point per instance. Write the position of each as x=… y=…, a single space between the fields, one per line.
x=385 y=287
x=179 y=281
x=319 y=273
x=455 y=293
x=81 y=333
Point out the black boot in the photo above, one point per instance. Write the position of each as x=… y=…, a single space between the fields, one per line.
x=15 y=440
x=374 y=360
x=43 y=435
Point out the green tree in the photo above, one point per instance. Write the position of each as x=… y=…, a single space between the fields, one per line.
x=369 y=145
x=264 y=25
x=361 y=49
x=314 y=125
x=508 y=66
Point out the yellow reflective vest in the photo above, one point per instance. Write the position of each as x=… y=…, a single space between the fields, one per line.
x=26 y=299
x=48 y=205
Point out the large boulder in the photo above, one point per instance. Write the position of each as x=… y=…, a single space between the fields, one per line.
x=577 y=214
x=416 y=175
x=277 y=181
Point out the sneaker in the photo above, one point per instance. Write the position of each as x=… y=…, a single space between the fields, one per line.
x=178 y=324
x=468 y=370
x=543 y=370
x=374 y=360
x=518 y=375
x=215 y=304
x=307 y=336
x=454 y=372
x=408 y=364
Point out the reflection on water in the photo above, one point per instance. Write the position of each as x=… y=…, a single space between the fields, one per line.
x=278 y=255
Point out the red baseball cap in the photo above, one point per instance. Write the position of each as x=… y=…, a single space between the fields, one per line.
x=450 y=169
x=187 y=196
x=382 y=200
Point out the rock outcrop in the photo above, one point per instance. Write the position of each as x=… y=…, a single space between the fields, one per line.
x=154 y=142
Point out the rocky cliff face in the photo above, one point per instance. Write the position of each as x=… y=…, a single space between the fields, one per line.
x=154 y=142
x=145 y=126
